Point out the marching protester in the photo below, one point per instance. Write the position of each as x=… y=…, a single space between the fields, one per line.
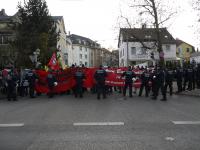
x=145 y=78
x=51 y=81
x=79 y=77
x=100 y=77
x=129 y=75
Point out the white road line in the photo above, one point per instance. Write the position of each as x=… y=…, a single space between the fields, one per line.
x=186 y=122
x=98 y=124
x=12 y=125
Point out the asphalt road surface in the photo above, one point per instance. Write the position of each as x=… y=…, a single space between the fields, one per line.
x=66 y=123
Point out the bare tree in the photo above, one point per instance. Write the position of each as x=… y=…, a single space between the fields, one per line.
x=157 y=12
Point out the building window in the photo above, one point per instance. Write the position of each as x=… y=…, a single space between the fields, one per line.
x=120 y=53
x=85 y=63
x=168 y=47
x=85 y=56
x=80 y=62
x=86 y=49
x=188 y=50
x=133 y=50
x=80 y=56
x=123 y=52
x=80 y=48
x=3 y=39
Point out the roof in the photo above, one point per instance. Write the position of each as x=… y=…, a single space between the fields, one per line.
x=55 y=18
x=179 y=42
x=5 y=18
x=146 y=35
x=195 y=54
x=76 y=39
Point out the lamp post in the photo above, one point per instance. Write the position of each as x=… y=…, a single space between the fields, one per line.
x=36 y=53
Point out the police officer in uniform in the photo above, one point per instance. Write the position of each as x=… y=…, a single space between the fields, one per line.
x=51 y=80
x=179 y=79
x=198 y=76
x=129 y=75
x=79 y=77
x=11 y=82
x=31 y=77
x=145 y=78
x=190 y=75
x=100 y=77
x=169 y=75
x=159 y=78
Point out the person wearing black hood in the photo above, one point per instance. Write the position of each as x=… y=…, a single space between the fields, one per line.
x=129 y=75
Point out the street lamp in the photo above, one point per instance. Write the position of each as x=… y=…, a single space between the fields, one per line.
x=36 y=53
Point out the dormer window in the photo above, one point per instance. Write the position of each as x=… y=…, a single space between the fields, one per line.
x=147 y=36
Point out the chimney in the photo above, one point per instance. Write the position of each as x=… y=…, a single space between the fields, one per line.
x=2 y=12
x=69 y=32
x=144 y=25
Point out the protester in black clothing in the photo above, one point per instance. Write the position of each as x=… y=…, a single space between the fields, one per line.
x=129 y=75
x=169 y=76
x=79 y=77
x=179 y=79
x=51 y=80
x=100 y=77
x=145 y=78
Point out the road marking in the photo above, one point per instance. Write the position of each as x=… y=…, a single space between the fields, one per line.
x=12 y=125
x=98 y=124
x=169 y=139
x=186 y=122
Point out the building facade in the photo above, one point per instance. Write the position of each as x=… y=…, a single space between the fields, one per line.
x=84 y=51
x=137 y=45
x=184 y=50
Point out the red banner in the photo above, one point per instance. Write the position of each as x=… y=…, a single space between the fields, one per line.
x=66 y=81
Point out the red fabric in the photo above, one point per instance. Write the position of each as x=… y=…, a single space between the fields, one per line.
x=53 y=63
x=66 y=79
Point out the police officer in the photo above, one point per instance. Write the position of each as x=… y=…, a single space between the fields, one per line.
x=129 y=75
x=31 y=77
x=11 y=82
x=145 y=78
x=100 y=77
x=51 y=80
x=190 y=75
x=198 y=76
x=169 y=75
x=79 y=77
x=179 y=79
x=159 y=78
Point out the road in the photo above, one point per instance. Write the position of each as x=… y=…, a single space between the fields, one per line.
x=64 y=123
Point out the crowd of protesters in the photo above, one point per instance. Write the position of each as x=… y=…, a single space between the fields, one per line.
x=17 y=83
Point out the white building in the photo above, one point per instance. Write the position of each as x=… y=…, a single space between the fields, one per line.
x=137 y=44
x=61 y=43
x=80 y=50
x=195 y=57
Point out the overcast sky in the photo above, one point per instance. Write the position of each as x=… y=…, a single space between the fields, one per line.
x=97 y=19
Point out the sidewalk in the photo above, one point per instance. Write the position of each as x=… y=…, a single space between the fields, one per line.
x=195 y=93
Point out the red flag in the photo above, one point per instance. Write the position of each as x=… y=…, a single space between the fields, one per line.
x=53 y=63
